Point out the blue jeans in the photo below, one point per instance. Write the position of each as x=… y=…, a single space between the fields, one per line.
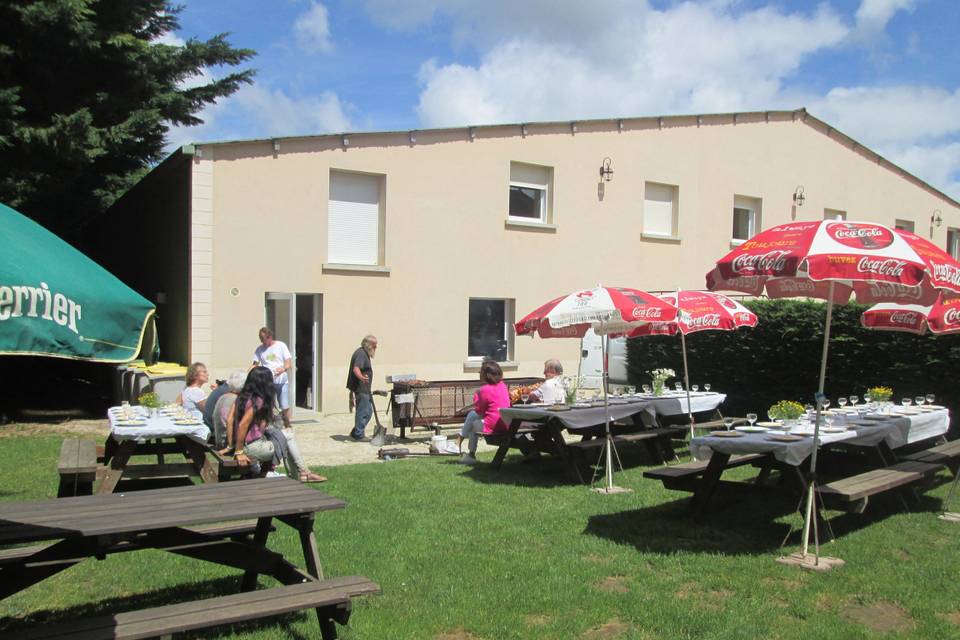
x=363 y=414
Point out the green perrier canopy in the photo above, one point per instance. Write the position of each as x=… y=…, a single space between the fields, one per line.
x=55 y=301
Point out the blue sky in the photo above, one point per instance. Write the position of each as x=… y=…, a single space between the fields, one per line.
x=886 y=72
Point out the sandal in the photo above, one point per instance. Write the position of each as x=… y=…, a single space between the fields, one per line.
x=310 y=476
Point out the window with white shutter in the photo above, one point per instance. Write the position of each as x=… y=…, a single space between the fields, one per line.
x=660 y=210
x=530 y=187
x=354 y=218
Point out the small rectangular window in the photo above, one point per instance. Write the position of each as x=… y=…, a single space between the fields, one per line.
x=834 y=214
x=660 y=209
x=490 y=329
x=354 y=219
x=953 y=242
x=905 y=225
x=529 y=192
x=746 y=218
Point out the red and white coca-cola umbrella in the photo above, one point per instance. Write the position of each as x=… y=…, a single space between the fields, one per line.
x=606 y=310
x=699 y=311
x=832 y=260
x=943 y=317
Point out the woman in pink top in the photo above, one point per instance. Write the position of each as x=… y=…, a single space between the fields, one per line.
x=487 y=402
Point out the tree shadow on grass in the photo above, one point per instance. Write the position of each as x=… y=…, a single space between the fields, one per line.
x=738 y=523
x=280 y=624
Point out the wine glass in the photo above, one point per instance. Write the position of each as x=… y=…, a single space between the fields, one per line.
x=706 y=386
x=919 y=401
x=906 y=402
x=695 y=387
x=728 y=423
x=629 y=390
x=854 y=400
x=647 y=389
x=811 y=412
x=525 y=396
x=825 y=404
x=751 y=418
x=678 y=386
x=868 y=399
x=929 y=398
x=842 y=402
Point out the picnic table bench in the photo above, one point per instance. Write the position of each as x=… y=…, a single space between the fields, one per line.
x=196 y=521
x=947 y=454
x=77 y=467
x=854 y=492
x=684 y=476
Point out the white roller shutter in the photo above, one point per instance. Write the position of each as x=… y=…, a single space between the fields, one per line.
x=658 y=208
x=353 y=219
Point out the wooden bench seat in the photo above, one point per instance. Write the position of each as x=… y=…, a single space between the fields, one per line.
x=946 y=454
x=679 y=476
x=853 y=492
x=233 y=531
x=639 y=436
x=331 y=599
x=77 y=467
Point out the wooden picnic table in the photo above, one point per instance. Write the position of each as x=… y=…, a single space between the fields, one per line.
x=546 y=427
x=180 y=450
x=878 y=437
x=177 y=520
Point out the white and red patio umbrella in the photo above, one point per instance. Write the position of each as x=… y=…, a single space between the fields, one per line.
x=943 y=317
x=699 y=311
x=606 y=310
x=832 y=260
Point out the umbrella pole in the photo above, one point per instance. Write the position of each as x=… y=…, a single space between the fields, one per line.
x=686 y=381
x=802 y=559
x=610 y=487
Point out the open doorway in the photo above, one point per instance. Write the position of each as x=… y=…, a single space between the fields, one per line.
x=295 y=318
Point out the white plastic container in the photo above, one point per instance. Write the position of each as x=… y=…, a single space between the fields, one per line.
x=439 y=443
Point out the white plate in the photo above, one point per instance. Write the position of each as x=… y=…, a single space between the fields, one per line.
x=751 y=429
x=770 y=425
x=832 y=429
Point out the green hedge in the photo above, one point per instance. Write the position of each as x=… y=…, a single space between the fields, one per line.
x=779 y=359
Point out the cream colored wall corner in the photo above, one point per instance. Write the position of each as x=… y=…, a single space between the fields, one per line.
x=201 y=259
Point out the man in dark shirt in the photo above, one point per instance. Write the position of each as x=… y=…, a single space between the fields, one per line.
x=358 y=382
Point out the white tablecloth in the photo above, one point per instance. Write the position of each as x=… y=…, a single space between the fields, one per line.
x=675 y=403
x=895 y=430
x=160 y=426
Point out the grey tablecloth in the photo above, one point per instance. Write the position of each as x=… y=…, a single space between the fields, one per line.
x=675 y=404
x=895 y=430
x=158 y=427
x=574 y=418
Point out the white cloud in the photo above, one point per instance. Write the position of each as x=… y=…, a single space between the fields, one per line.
x=937 y=163
x=692 y=57
x=277 y=114
x=885 y=115
x=311 y=29
x=873 y=15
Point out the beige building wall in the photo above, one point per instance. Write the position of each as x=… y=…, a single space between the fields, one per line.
x=446 y=237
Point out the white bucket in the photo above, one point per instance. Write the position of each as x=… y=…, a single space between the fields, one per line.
x=438 y=442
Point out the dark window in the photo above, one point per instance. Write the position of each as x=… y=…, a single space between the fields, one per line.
x=526 y=202
x=488 y=330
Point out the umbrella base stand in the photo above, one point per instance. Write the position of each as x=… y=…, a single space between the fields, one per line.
x=611 y=490
x=949 y=516
x=810 y=561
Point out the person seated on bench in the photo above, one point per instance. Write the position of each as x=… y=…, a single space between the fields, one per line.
x=487 y=402
x=218 y=405
x=551 y=391
x=193 y=398
x=249 y=423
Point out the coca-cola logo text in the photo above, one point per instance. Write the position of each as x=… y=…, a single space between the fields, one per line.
x=772 y=262
x=860 y=236
x=905 y=318
x=951 y=316
x=946 y=273
x=705 y=321
x=893 y=291
x=882 y=267
x=646 y=313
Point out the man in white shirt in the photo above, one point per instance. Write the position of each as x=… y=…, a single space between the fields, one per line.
x=275 y=355
x=551 y=391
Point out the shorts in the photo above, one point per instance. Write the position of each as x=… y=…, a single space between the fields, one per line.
x=283 y=395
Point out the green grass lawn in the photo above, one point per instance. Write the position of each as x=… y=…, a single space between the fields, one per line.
x=469 y=553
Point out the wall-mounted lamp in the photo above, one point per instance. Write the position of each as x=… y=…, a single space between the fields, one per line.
x=935 y=218
x=798 y=197
x=606 y=173
x=345 y=141
x=276 y=145
x=413 y=137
